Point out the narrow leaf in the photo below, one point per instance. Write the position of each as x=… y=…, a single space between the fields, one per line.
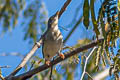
x=93 y=18
x=86 y=13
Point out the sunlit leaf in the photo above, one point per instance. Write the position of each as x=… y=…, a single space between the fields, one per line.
x=82 y=42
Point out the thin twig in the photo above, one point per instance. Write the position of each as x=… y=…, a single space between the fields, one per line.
x=73 y=29
x=76 y=25
x=1 y=77
x=5 y=66
x=89 y=75
x=64 y=7
x=26 y=58
x=30 y=73
x=86 y=61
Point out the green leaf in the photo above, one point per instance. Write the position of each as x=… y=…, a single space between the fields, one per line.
x=86 y=13
x=26 y=67
x=93 y=18
x=0 y=72
x=70 y=76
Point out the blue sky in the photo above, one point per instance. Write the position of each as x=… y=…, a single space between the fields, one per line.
x=13 y=41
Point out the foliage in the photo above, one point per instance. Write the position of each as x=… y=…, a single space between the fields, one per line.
x=108 y=17
x=33 y=17
x=108 y=23
x=30 y=15
x=9 y=11
x=38 y=17
x=86 y=13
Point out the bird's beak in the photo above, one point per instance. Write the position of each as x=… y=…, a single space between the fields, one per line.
x=57 y=13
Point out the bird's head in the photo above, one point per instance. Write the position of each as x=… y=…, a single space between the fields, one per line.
x=53 y=20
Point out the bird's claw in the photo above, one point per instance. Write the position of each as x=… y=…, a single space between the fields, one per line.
x=62 y=55
x=47 y=62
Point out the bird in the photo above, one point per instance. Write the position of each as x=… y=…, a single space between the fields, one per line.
x=52 y=40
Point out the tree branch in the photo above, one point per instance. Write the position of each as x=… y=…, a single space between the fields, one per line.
x=30 y=73
x=86 y=61
x=64 y=7
x=1 y=77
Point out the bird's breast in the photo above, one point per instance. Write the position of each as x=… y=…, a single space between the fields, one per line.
x=53 y=42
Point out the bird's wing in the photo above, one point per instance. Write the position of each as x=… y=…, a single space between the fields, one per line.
x=43 y=46
x=43 y=42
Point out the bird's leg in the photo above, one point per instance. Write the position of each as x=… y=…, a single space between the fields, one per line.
x=64 y=48
x=51 y=70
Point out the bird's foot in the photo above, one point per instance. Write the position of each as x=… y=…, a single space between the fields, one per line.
x=47 y=62
x=62 y=55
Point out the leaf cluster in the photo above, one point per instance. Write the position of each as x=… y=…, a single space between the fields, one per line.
x=32 y=16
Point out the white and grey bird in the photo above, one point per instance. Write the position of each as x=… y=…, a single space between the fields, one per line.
x=52 y=40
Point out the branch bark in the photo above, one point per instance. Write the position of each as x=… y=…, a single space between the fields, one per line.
x=86 y=62
x=30 y=73
x=64 y=7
